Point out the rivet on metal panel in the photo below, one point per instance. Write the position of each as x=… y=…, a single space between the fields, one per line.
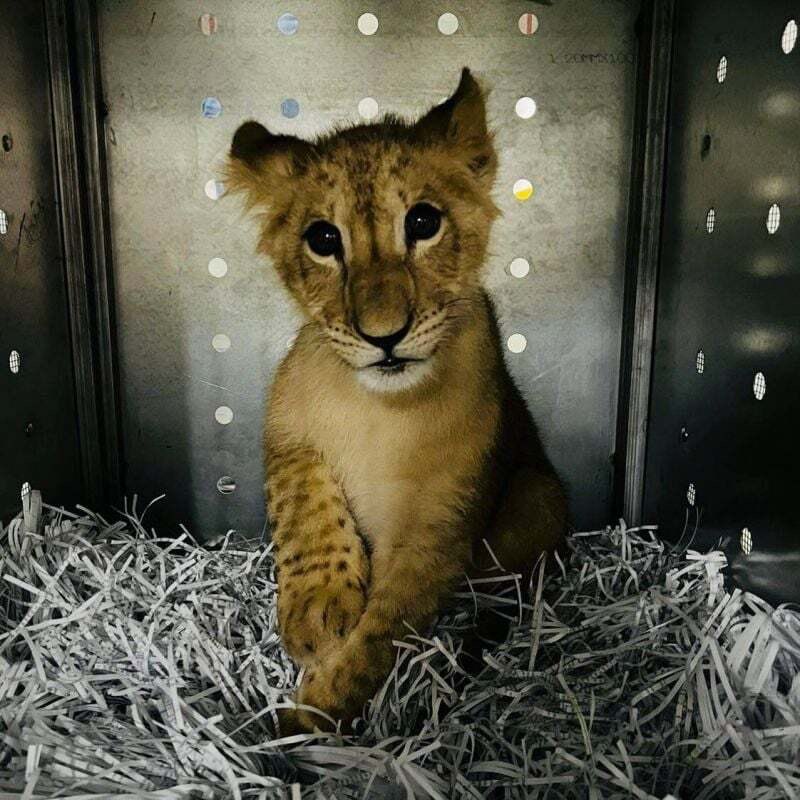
x=525 y=107
x=226 y=485
x=523 y=189
x=759 y=386
x=528 y=24
x=722 y=69
x=773 y=218
x=447 y=24
x=517 y=343
x=368 y=24
x=789 y=37
x=519 y=267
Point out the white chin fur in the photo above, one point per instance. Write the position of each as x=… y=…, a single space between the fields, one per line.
x=376 y=380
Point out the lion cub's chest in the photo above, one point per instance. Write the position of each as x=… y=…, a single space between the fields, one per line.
x=398 y=467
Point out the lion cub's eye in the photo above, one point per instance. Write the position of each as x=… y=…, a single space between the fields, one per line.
x=422 y=222
x=323 y=238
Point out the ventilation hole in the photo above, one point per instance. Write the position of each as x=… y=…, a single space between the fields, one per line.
x=368 y=107
x=774 y=218
x=528 y=24
x=218 y=267
x=700 y=362
x=722 y=69
x=288 y=24
x=290 y=108
x=746 y=541
x=8 y=142
x=368 y=24
x=214 y=189
x=25 y=491
x=14 y=361
x=517 y=343
x=3 y=222
x=789 y=37
x=447 y=24
x=226 y=485
x=523 y=189
x=519 y=267
x=691 y=494
x=221 y=343
x=208 y=24
x=525 y=107
x=705 y=147
x=759 y=386
x=223 y=415
x=711 y=219
x=211 y=107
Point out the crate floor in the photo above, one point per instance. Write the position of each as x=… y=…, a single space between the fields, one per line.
x=145 y=667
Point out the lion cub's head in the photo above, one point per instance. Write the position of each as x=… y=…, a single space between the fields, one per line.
x=379 y=231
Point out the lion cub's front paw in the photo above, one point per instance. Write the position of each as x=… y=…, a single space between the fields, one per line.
x=318 y=618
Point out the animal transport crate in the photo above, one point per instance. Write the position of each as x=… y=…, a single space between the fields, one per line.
x=645 y=268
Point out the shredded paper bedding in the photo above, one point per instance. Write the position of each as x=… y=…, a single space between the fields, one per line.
x=140 y=666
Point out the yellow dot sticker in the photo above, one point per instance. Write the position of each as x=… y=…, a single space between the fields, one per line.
x=523 y=189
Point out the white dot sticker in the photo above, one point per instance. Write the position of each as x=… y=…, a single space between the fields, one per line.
x=14 y=361
x=368 y=108
x=214 y=189
x=519 y=267
x=517 y=343
x=218 y=267
x=223 y=415
x=525 y=107
x=759 y=386
x=368 y=24
x=773 y=218
x=722 y=70
x=447 y=24
x=523 y=189
x=221 y=343
x=789 y=37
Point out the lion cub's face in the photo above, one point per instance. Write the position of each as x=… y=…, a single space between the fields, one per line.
x=379 y=231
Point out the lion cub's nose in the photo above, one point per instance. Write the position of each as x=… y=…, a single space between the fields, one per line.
x=389 y=341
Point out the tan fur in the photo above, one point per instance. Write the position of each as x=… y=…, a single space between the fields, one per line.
x=380 y=487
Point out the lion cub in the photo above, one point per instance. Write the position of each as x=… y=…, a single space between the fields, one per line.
x=395 y=439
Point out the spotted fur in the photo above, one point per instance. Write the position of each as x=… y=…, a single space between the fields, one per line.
x=381 y=484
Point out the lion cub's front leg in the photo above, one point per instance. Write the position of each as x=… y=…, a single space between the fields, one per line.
x=323 y=570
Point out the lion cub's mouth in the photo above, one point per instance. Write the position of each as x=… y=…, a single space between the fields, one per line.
x=394 y=363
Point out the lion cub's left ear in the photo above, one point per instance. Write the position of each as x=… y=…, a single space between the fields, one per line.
x=460 y=123
x=259 y=162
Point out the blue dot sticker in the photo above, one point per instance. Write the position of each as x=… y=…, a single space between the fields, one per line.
x=211 y=108
x=290 y=108
x=288 y=24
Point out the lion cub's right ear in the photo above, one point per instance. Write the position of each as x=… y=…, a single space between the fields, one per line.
x=259 y=162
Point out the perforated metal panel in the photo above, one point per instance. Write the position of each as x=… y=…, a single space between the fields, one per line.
x=724 y=423
x=177 y=86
